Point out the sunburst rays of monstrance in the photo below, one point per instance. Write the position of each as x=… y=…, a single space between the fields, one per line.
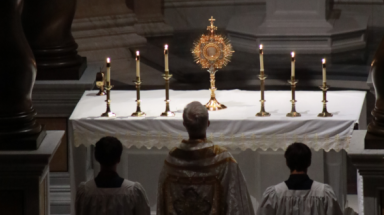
x=212 y=52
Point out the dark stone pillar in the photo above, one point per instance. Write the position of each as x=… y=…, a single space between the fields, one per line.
x=47 y=25
x=375 y=134
x=18 y=127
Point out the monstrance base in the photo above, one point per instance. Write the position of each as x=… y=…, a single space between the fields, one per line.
x=138 y=114
x=325 y=114
x=293 y=114
x=214 y=105
x=108 y=114
x=262 y=114
x=168 y=113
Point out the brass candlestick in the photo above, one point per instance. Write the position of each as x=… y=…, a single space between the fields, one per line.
x=325 y=113
x=262 y=112
x=213 y=104
x=100 y=83
x=108 y=112
x=138 y=112
x=167 y=112
x=293 y=112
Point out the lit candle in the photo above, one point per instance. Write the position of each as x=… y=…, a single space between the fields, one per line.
x=293 y=65
x=261 y=59
x=109 y=70
x=138 y=64
x=166 y=58
x=324 y=71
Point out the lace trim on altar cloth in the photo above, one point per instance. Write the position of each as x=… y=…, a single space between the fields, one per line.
x=235 y=141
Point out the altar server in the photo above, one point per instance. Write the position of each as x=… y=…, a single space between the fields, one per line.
x=199 y=177
x=299 y=195
x=108 y=193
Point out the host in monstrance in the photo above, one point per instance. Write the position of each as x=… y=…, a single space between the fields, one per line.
x=108 y=193
x=299 y=195
x=199 y=177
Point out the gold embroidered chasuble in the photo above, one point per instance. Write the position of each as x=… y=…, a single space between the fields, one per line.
x=201 y=178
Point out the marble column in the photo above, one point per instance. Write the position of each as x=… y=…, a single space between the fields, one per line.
x=47 y=26
x=303 y=26
x=24 y=178
x=18 y=127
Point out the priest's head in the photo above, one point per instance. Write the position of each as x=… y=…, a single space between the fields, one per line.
x=108 y=152
x=298 y=157
x=196 y=120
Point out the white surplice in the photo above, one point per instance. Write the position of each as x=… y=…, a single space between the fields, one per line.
x=319 y=200
x=201 y=178
x=129 y=199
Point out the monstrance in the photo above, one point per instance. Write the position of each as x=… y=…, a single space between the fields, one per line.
x=212 y=52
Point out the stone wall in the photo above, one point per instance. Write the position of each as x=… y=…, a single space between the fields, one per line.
x=192 y=14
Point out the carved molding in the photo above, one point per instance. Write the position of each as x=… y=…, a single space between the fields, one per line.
x=203 y=3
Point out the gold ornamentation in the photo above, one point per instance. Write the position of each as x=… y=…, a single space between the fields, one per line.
x=138 y=112
x=212 y=52
x=324 y=113
x=192 y=204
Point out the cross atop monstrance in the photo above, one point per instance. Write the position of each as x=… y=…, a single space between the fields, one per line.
x=212 y=28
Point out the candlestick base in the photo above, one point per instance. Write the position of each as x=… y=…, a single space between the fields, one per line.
x=293 y=114
x=263 y=114
x=139 y=114
x=325 y=114
x=214 y=105
x=108 y=114
x=168 y=113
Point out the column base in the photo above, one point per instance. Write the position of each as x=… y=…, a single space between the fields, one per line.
x=32 y=142
x=372 y=141
x=66 y=73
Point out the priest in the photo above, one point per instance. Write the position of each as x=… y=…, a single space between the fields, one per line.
x=199 y=177
x=299 y=194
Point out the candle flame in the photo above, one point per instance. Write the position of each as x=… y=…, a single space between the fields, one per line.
x=261 y=46
x=293 y=54
x=108 y=60
x=324 y=61
x=166 y=47
x=137 y=53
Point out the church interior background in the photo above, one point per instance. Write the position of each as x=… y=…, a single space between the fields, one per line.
x=347 y=33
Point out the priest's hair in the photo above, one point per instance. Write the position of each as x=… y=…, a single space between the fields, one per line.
x=195 y=117
x=298 y=157
x=108 y=151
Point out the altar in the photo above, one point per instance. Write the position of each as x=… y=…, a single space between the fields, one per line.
x=257 y=143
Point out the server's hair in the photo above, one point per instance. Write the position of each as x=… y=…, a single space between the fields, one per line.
x=108 y=151
x=195 y=117
x=298 y=157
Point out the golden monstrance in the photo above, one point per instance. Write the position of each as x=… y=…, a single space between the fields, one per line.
x=212 y=52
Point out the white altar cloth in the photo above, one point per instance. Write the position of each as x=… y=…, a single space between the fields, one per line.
x=235 y=127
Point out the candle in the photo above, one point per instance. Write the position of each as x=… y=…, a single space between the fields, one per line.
x=261 y=59
x=166 y=58
x=138 y=64
x=109 y=70
x=324 y=70
x=293 y=65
